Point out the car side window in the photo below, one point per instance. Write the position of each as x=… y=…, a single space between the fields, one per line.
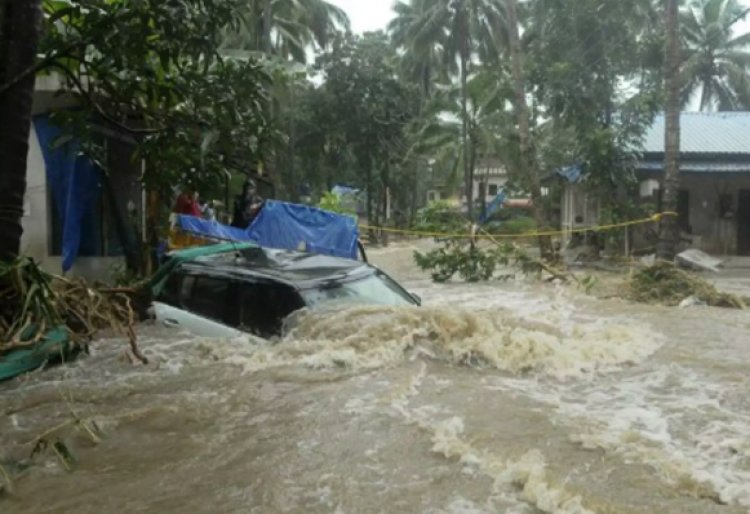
x=186 y=288
x=264 y=306
x=171 y=292
x=207 y=296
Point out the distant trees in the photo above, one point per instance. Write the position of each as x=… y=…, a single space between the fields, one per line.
x=716 y=57
x=353 y=127
x=285 y=28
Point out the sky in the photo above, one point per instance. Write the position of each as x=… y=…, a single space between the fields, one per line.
x=367 y=15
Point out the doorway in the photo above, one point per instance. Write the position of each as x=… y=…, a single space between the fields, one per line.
x=743 y=222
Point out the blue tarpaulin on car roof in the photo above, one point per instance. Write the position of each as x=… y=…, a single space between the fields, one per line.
x=287 y=226
x=294 y=227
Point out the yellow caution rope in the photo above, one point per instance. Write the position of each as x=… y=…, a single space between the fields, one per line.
x=651 y=219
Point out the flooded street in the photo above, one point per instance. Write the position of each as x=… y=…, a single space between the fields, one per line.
x=502 y=397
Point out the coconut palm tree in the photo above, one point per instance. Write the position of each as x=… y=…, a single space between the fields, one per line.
x=423 y=60
x=286 y=28
x=717 y=59
x=19 y=32
x=461 y=30
x=669 y=231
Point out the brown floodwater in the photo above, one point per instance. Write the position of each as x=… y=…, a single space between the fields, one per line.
x=507 y=397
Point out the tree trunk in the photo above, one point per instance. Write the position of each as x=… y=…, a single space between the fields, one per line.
x=669 y=233
x=266 y=35
x=294 y=187
x=527 y=163
x=468 y=185
x=19 y=32
x=368 y=179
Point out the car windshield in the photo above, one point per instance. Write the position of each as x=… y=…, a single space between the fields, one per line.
x=375 y=289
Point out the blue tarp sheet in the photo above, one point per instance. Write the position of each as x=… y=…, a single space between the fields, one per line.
x=492 y=207
x=74 y=181
x=211 y=229
x=572 y=174
x=289 y=227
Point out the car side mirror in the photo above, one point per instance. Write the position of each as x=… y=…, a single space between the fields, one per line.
x=417 y=298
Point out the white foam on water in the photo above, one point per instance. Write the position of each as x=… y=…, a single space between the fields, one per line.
x=526 y=473
x=671 y=418
x=459 y=505
x=363 y=338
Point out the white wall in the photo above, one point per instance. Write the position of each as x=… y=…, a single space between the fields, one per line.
x=498 y=180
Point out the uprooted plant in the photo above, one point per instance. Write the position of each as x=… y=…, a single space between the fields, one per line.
x=474 y=263
x=665 y=283
x=34 y=303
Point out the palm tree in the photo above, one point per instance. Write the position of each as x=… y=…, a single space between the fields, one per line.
x=669 y=231
x=19 y=32
x=423 y=61
x=717 y=60
x=461 y=30
x=286 y=28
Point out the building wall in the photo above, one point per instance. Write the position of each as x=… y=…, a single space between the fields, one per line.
x=579 y=210
x=36 y=223
x=708 y=231
x=497 y=180
x=711 y=232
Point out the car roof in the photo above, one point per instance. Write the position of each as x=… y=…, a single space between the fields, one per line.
x=298 y=269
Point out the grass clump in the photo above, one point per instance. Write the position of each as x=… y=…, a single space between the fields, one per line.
x=664 y=283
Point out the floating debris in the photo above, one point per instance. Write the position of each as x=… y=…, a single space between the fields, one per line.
x=666 y=284
x=44 y=317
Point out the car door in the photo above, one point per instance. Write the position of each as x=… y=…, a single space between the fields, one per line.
x=201 y=304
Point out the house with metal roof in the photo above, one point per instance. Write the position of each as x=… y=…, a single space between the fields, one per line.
x=714 y=194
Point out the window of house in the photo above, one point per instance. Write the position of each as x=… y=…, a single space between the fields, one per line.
x=493 y=190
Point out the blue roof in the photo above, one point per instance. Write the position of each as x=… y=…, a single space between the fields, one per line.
x=571 y=173
x=705 y=133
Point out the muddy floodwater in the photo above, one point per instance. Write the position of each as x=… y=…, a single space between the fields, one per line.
x=509 y=397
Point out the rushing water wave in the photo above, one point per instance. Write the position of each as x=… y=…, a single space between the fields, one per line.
x=508 y=397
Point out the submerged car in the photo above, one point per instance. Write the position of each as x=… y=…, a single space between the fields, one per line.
x=253 y=290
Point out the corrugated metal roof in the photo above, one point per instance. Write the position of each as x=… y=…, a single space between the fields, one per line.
x=698 y=167
x=707 y=133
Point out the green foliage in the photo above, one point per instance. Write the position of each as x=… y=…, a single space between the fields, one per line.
x=332 y=202
x=194 y=115
x=440 y=216
x=580 y=54
x=717 y=57
x=513 y=226
x=475 y=264
x=471 y=263
x=294 y=27
x=351 y=128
